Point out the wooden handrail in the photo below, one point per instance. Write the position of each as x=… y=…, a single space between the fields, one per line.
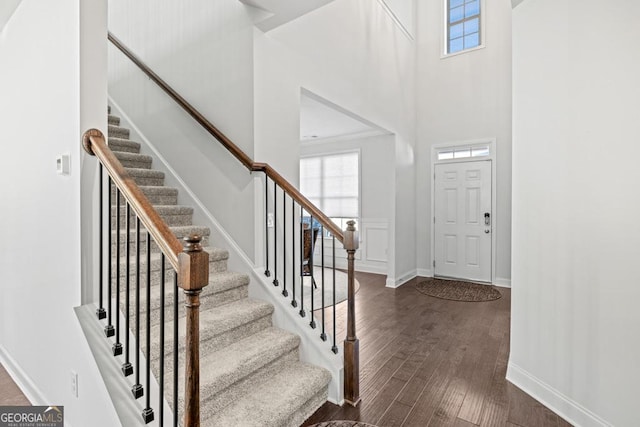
x=191 y=263
x=94 y=143
x=230 y=146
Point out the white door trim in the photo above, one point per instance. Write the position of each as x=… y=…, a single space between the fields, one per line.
x=491 y=143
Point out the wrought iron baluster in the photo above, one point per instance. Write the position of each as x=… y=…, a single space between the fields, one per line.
x=284 y=244
x=266 y=226
x=335 y=347
x=100 y=312
x=312 y=235
x=127 y=368
x=109 y=330
x=275 y=234
x=137 y=389
x=147 y=412
x=323 y=335
x=302 y=313
x=117 y=346
x=294 y=303
x=175 y=349
x=161 y=381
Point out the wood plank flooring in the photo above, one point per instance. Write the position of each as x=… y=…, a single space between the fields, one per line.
x=431 y=362
x=10 y=394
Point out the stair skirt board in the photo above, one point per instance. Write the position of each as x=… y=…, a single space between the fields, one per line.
x=250 y=372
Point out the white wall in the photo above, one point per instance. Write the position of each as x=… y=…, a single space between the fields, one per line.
x=575 y=317
x=41 y=77
x=204 y=50
x=404 y=13
x=460 y=98
x=377 y=189
x=351 y=53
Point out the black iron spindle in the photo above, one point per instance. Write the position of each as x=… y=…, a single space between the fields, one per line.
x=275 y=234
x=302 y=313
x=100 y=312
x=310 y=265
x=137 y=387
x=335 y=347
x=266 y=226
x=175 y=349
x=147 y=412
x=161 y=381
x=294 y=303
x=109 y=330
x=284 y=244
x=127 y=368
x=323 y=335
x=117 y=346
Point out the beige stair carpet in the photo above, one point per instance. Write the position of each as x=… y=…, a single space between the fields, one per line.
x=251 y=374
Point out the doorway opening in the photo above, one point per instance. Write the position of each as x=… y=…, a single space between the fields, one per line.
x=463 y=207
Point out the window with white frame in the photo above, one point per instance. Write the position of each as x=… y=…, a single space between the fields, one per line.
x=463 y=25
x=332 y=183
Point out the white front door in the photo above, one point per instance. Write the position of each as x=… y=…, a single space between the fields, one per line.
x=463 y=220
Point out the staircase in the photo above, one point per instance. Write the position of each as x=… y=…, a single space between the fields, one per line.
x=251 y=374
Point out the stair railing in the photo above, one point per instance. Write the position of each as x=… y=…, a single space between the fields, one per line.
x=191 y=273
x=301 y=211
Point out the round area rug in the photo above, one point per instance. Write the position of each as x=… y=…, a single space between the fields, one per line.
x=457 y=290
x=342 y=424
x=341 y=288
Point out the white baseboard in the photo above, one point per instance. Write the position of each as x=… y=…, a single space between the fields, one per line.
x=502 y=282
x=397 y=282
x=425 y=272
x=562 y=405
x=22 y=380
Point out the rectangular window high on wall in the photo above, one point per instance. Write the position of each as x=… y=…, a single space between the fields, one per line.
x=332 y=183
x=463 y=25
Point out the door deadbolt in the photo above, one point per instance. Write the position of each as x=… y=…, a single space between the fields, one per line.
x=487 y=219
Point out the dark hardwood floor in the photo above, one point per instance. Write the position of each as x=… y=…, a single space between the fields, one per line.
x=10 y=394
x=431 y=362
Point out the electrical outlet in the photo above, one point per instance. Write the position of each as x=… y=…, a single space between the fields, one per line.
x=74 y=383
x=270 y=220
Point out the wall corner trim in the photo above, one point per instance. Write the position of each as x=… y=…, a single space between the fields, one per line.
x=553 y=399
x=502 y=282
x=397 y=282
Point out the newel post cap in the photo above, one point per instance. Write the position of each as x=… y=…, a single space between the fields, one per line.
x=351 y=238
x=193 y=264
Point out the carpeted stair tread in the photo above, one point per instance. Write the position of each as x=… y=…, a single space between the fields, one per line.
x=221 y=326
x=173 y=215
x=123 y=145
x=118 y=132
x=134 y=160
x=146 y=173
x=240 y=359
x=160 y=195
x=179 y=231
x=223 y=288
x=114 y=120
x=273 y=401
x=215 y=255
x=230 y=316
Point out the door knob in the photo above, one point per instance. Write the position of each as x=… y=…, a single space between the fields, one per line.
x=486 y=231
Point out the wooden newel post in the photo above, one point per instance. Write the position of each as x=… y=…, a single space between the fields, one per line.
x=193 y=275
x=351 y=343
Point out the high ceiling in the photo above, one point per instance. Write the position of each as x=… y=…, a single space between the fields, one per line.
x=319 y=119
